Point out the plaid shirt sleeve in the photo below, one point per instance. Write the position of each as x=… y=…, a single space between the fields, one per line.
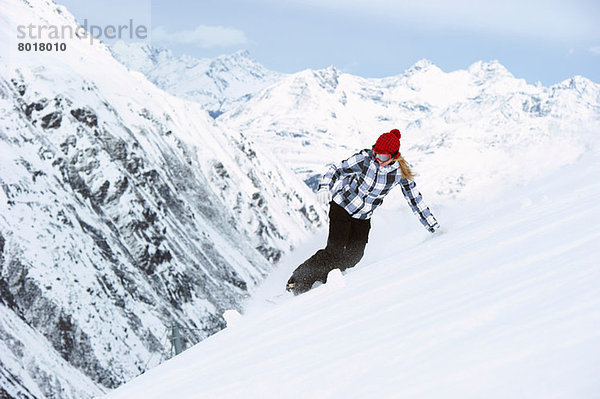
x=415 y=200
x=348 y=166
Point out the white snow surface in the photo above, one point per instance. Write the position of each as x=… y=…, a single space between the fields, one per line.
x=505 y=303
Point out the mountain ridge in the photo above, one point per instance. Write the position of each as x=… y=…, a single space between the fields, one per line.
x=315 y=117
x=218 y=84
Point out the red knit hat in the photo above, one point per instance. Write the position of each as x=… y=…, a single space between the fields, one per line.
x=388 y=143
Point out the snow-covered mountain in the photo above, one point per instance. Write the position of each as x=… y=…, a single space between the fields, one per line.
x=483 y=121
x=123 y=211
x=463 y=131
x=505 y=304
x=218 y=84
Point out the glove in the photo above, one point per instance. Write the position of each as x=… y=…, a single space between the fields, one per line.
x=436 y=230
x=324 y=196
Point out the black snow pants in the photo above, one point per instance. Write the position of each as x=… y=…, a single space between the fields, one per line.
x=345 y=248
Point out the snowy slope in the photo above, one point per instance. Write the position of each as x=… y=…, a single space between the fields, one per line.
x=505 y=304
x=123 y=210
x=218 y=84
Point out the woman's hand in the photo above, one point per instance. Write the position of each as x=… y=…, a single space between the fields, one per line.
x=324 y=196
x=438 y=231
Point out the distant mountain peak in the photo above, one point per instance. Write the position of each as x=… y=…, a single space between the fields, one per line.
x=216 y=83
x=330 y=71
x=421 y=66
x=243 y=54
x=423 y=63
x=239 y=57
x=489 y=68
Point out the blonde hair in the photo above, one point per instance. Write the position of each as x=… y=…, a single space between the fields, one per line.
x=405 y=169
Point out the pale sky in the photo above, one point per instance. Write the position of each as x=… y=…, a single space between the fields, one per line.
x=546 y=41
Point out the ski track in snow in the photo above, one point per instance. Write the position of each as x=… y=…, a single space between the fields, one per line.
x=504 y=304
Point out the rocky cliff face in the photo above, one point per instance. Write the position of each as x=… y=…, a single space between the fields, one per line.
x=123 y=211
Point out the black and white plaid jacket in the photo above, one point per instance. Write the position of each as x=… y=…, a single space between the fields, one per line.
x=359 y=184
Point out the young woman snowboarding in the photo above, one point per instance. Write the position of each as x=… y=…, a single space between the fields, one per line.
x=354 y=189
